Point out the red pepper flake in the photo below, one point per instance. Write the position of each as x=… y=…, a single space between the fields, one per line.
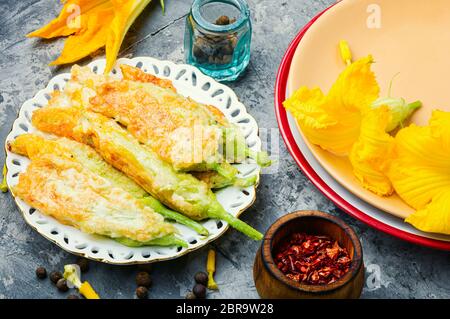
x=312 y=260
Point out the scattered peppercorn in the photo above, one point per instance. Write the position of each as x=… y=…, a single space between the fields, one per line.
x=199 y=291
x=73 y=297
x=55 y=276
x=83 y=263
x=313 y=260
x=201 y=278
x=41 y=272
x=190 y=295
x=143 y=279
x=142 y=292
x=62 y=285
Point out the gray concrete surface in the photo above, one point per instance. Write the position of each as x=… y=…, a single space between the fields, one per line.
x=395 y=269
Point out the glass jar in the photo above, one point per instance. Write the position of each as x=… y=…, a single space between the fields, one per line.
x=218 y=36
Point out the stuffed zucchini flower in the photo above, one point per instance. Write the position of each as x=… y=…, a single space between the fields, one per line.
x=420 y=172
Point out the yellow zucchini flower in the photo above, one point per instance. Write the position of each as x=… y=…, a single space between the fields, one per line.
x=82 y=44
x=125 y=12
x=91 y=25
x=351 y=120
x=371 y=152
x=420 y=172
x=333 y=121
x=71 y=19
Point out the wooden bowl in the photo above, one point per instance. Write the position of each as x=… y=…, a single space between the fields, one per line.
x=271 y=283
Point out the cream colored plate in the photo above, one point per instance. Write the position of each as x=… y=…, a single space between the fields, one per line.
x=411 y=38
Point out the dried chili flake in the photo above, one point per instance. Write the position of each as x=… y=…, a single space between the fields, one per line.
x=313 y=260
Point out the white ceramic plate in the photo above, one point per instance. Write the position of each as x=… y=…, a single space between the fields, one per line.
x=189 y=81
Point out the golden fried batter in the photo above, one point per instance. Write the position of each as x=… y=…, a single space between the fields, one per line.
x=183 y=132
x=120 y=149
x=63 y=189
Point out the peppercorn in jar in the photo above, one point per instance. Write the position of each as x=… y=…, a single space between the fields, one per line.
x=218 y=36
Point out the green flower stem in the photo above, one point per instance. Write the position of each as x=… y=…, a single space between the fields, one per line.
x=169 y=240
x=170 y=214
x=415 y=105
x=219 y=213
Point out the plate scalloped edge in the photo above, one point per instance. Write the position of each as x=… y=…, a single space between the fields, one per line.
x=282 y=119
x=189 y=81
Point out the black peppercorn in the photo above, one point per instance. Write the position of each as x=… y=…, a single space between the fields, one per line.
x=190 y=295
x=73 y=297
x=143 y=279
x=55 y=276
x=142 y=292
x=227 y=49
x=199 y=54
x=201 y=278
x=199 y=291
x=222 y=20
x=83 y=263
x=41 y=272
x=62 y=285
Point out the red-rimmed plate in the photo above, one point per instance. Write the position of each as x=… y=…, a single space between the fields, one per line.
x=359 y=210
